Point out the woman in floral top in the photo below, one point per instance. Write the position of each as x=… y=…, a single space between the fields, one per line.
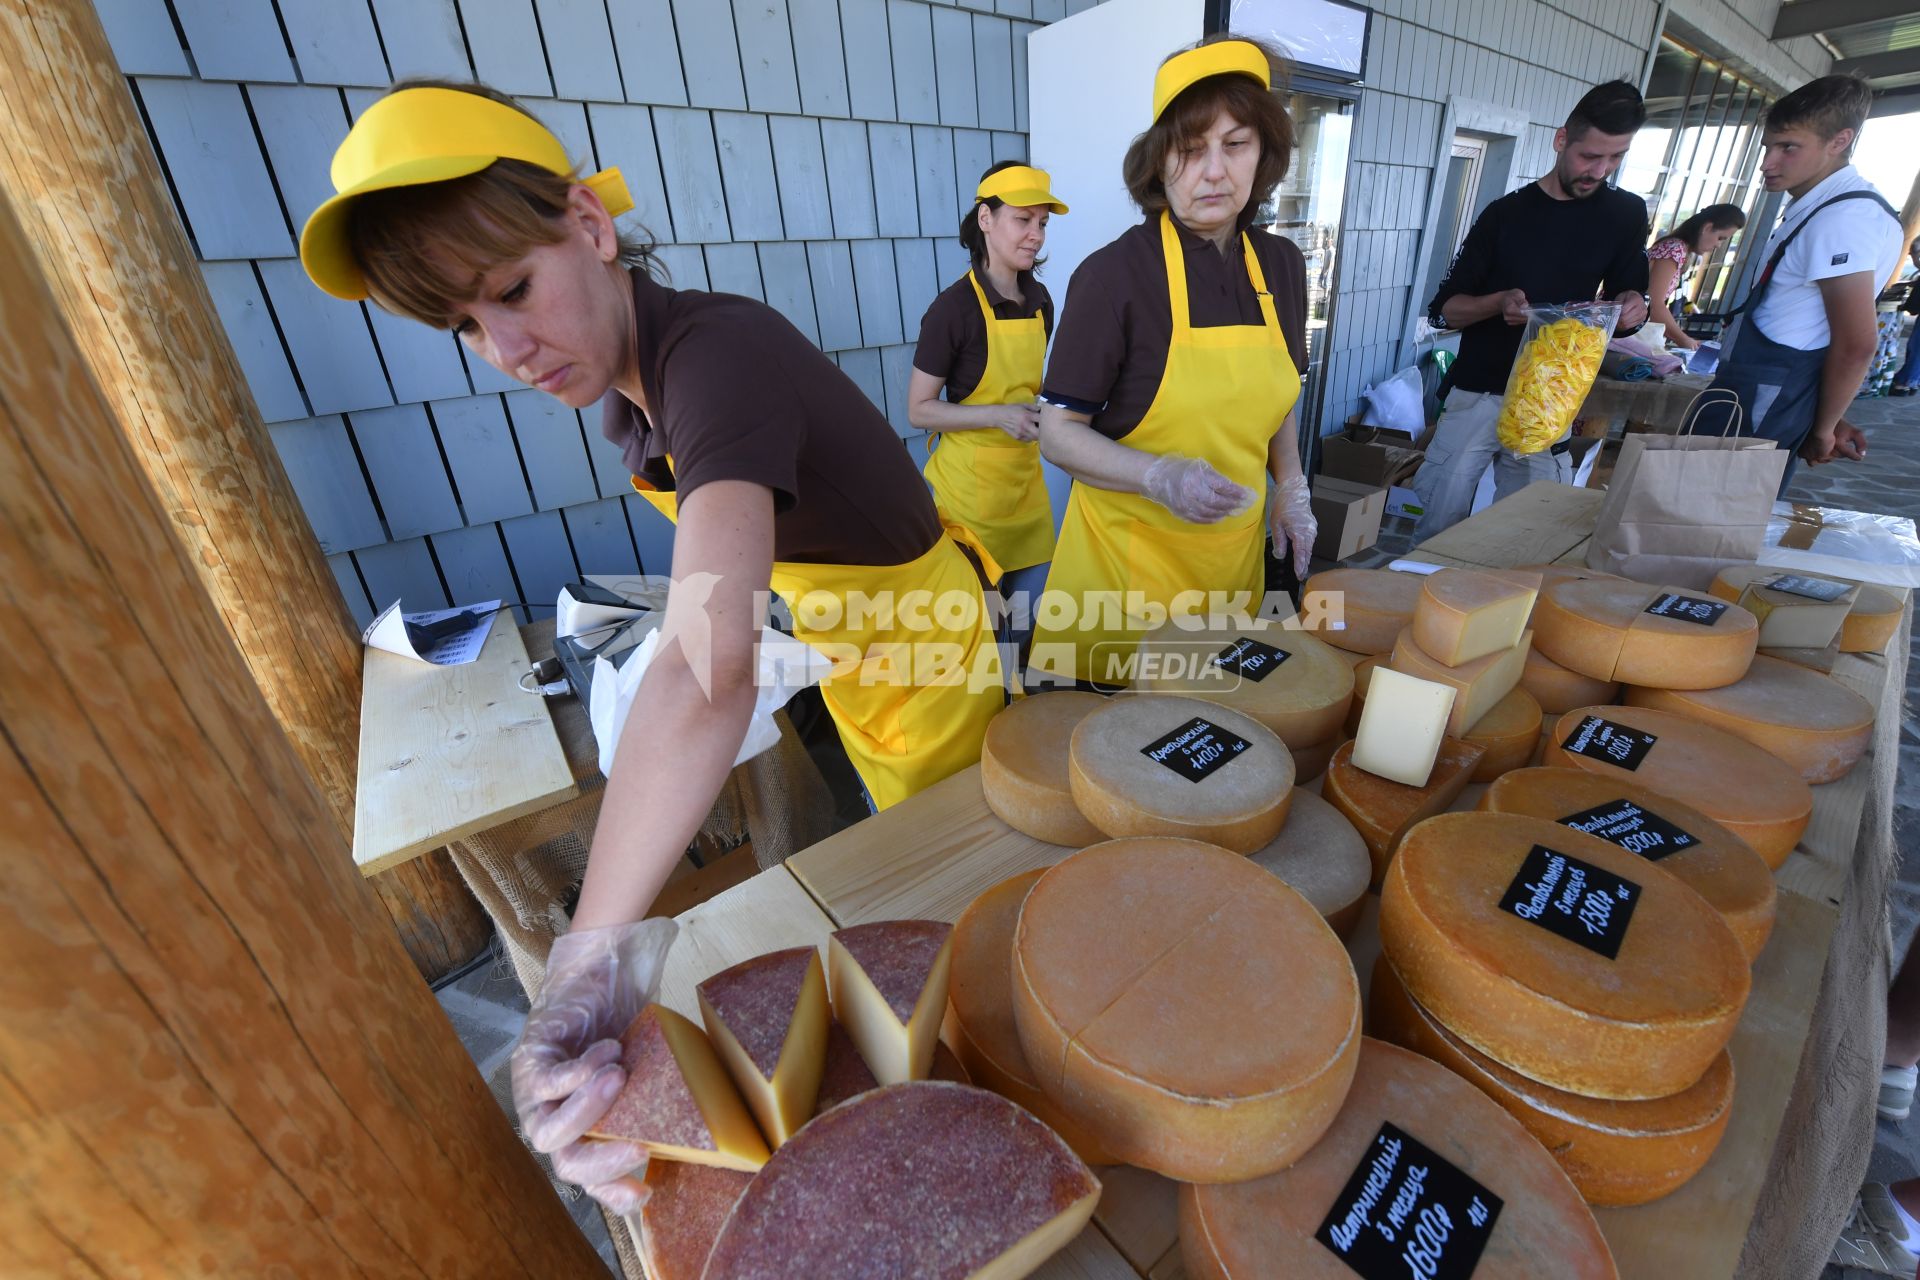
x=1668 y=260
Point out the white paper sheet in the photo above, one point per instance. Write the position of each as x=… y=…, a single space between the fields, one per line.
x=389 y=632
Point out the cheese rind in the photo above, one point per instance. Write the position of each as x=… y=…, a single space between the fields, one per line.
x=1646 y=1022
x=1478 y=685
x=889 y=985
x=1190 y=1010
x=1322 y=856
x=1130 y=761
x=1267 y=1228
x=1464 y=615
x=1811 y=722
x=1616 y=1153
x=1382 y=810
x=1402 y=726
x=1509 y=735
x=679 y=1102
x=685 y=1208
x=1374 y=605
x=1310 y=762
x=1557 y=689
x=925 y=1179
x=767 y=1017
x=1300 y=692
x=1023 y=767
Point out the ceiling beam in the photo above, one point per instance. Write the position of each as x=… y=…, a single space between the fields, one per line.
x=1895 y=102
x=1809 y=16
x=1901 y=62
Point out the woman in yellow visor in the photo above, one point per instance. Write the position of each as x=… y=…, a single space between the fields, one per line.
x=975 y=387
x=458 y=209
x=1169 y=395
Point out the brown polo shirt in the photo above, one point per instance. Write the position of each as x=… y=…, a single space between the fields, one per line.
x=738 y=393
x=953 y=333
x=1112 y=348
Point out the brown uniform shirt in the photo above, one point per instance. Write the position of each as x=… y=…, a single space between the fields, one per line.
x=1114 y=332
x=738 y=393
x=953 y=333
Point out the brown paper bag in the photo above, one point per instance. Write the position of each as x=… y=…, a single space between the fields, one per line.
x=1680 y=508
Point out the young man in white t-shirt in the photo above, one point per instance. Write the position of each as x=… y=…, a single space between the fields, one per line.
x=1808 y=330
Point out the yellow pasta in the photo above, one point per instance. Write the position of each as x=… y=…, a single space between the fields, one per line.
x=1550 y=381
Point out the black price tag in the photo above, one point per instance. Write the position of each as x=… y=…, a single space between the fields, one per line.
x=1616 y=744
x=1407 y=1213
x=1195 y=749
x=1250 y=658
x=1577 y=900
x=1812 y=588
x=1626 y=824
x=1687 y=608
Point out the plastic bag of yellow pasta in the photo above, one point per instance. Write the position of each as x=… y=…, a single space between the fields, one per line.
x=1559 y=358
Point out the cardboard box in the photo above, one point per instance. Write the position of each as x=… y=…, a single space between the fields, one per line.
x=1369 y=456
x=1349 y=516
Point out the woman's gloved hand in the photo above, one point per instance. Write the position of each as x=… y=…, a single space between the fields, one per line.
x=1193 y=490
x=1290 y=521
x=566 y=1068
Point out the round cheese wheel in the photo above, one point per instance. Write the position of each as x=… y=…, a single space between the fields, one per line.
x=1746 y=790
x=1502 y=925
x=1362 y=674
x=1023 y=767
x=1190 y=1010
x=1616 y=1153
x=979 y=1022
x=1600 y=628
x=1332 y=1216
x=1874 y=618
x=1509 y=734
x=1712 y=861
x=1320 y=854
x=1155 y=765
x=1311 y=762
x=1285 y=679
x=1557 y=689
x=1812 y=722
x=1373 y=605
x=1383 y=810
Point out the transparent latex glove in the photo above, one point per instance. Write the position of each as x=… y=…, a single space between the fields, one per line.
x=1193 y=490
x=1290 y=521
x=566 y=1067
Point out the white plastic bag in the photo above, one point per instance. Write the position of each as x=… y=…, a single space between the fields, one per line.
x=1863 y=545
x=1396 y=403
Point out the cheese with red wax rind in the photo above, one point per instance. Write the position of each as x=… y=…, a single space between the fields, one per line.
x=1286 y=679
x=1478 y=685
x=1509 y=735
x=685 y=1208
x=1602 y=628
x=1322 y=856
x=1370 y=605
x=767 y=1018
x=1383 y=810
x=1811 y=722
x=1557 y=689
x=678 y=1101
x=846 y=1075
x=1465 y=614
x=1023 y=767
x=889 y=985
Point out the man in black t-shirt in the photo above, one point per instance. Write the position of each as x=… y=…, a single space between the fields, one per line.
x=1561 y=239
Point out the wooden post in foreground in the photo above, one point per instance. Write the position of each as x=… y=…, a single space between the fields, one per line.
x=214 y=1060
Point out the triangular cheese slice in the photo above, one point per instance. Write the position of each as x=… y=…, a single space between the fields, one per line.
x=768 y=1019
x=889 y=983
x=678 y=1102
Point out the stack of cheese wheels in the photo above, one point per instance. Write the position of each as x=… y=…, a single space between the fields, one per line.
x=1359 y=610
x=1564 y=957
x=1023 y=767
x=1611 y=629
x=1508 y=735
x=1285 y=679
x=1383 y=810
x=1746 y=790
x=1362 y=674
x=1871 y=622
x=1321 y=855
x=1616 y=1153
x=1186 y=1008
x=1811 y=722
x=1420 y=1175
x=1155 y=765
x=1557 y=689
x=1699 y=852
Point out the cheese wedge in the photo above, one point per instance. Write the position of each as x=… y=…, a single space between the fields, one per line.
x=926 y=1179
x=1154 y=764
x=979 y=1022
x=1402 y=726
x=1557 y=689
x=1699 y=852
x=1360 y=610
x=1464 y=615
x=1191 y=1011
x=889 y=982
x=1321 y=856
x=1420 y=1175
x=1382 y=810
x=1509 y=735
x=1813 y=723
x=686 y=1206
x=1562 y=956
x=1023 y=767
x=768 y=1018
x=1477 y=685
x=1791 y=620
x=1287 y=680
x=846 y=1075
x=1748 y=791
x=1616 y=1153
x=678 y=1102
x=1661 y=637
x=1870 y=622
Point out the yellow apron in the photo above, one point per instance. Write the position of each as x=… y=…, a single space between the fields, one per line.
x=985 y=480
x=910 y=693
x=1123 y=558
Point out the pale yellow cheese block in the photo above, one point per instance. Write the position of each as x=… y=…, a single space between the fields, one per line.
x=1268 y=1229
x=889 y=986
x=1464 y=614
x=1383 y=810
x=1750 y=792
x=1869 y=624
x=768 y=1019
x=1616 y=1153
x=932 y=1180
x=1509 y=735
x=1792 y=621
x=1372 y=606
x=1478 y=685
x=1812 y=722
x=1322 y=856
x=1600 y=628
x=678 y=1101
x=1301 y=692
x=1240 y=802
x=1023 y=767
x=1192 y=1011
x=1402 y=726
x=1557 y=689
x=1645 y=1023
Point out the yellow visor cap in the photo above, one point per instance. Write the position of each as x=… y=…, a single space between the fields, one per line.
x=416 y=136
x=1022 y=185
x=1223 y=58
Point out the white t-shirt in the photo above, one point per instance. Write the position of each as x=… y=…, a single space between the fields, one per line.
x=1851 y=237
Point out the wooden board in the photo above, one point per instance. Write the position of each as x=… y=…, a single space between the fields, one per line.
x=1540 y=523
x=448 y=751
